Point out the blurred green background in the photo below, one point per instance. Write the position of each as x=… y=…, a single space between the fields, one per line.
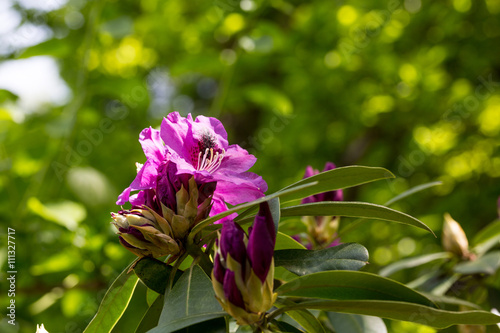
x=408 y=85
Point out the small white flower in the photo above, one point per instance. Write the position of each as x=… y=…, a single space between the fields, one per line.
x=41 y=329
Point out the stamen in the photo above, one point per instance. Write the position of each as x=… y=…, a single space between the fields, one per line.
x=211 y=163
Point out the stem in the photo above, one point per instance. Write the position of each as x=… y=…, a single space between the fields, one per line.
x=175 y=267
x=200 y=258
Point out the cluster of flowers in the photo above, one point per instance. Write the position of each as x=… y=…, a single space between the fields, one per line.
x=191 y=173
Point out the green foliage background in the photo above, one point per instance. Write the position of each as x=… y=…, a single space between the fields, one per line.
x=394 y=84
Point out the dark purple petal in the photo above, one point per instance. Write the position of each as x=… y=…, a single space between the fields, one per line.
x=328 y=166
x=265 y=212
x=167 y=184
x=219 y=270
x=134 y=232
x=231 y=290
x=232 y=242
x=261 y=242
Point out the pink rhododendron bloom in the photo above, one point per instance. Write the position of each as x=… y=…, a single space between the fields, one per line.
x=199 y=147
x=184 y=148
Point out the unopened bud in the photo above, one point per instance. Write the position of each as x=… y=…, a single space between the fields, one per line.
x=454 y=238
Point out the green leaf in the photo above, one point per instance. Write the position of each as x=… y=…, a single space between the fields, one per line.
x=303 y=317
x=155 y=274
x=447 y=300
x=444 y=284
x=353 y=209
x=151 y=317
x=487 y=238
x=415 y=313
x=413 y=262
x=488 y=232
x=151 y=296
x=284 y=242
x=274 y=206
x=487 y=264
x=58 y=48
x=191 y=301
x=348 y=256
x=336 y=179
x=285 y=327
x=66 y=213
x=203 y=224
x=411 y=191
x=114 y=303
x=354 y=323
x=351 y=285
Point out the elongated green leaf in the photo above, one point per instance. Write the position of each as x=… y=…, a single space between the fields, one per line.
x=444 y=284
x=354 y=323
x=114 y=303
x=200 y=226
x=411 y=191
x=155 y=274
x=447 y=300
x=286 y=242
x=151 y=317
x=191 y=301
x=413 y=262
x=415 y=313
x=303 y=317
x=348 y=256
x=285 y=327
x=351 y=285
x=487 y=264
x=487 y=238
x=336 y=179
x=490 y=231
x=353 y=209
x=274 y=206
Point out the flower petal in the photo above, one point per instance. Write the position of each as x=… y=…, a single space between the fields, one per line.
x=261 y=242
x=232 y=242
x=237 y=159
x=152 y=144
x=146 y=177
x=231 y=290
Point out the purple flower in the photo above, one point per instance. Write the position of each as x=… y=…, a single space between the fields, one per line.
x=199 y=147
x=321 y=229
x=183 y=148
x=244 y=268
x=325 y=196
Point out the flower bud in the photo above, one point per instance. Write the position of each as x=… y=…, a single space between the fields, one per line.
x=244 y=268
x=322 y=229
x=454 y=238
x=145 y=233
